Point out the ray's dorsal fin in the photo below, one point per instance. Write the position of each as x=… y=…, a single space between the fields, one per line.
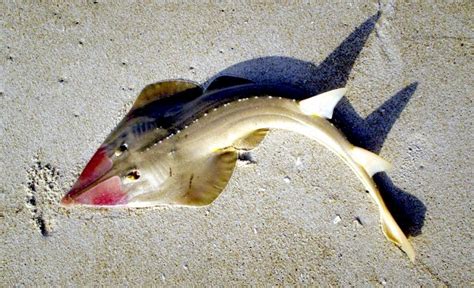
x=322 y=105
x=252 y=140
x=227 y=81
x=165 y=89
x=371 y=162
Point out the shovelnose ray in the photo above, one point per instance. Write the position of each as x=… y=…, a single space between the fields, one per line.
x=178 y=145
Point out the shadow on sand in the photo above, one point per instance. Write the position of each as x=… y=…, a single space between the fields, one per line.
x=369 y=133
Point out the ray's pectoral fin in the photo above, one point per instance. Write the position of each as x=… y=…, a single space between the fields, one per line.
x=185 y=89
x=227 y=81
x=158 y=97
x=192 y=183
x=207 y=178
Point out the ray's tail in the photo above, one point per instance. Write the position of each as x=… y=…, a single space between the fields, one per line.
x=371 y=164
x=363 y=162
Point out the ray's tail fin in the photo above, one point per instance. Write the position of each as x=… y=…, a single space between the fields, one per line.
x=393 y=233
x=372 y=163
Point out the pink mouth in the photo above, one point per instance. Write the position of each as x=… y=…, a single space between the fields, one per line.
x=107 y=192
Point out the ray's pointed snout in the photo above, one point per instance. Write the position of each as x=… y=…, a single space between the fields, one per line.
x=99 y=164
x=87 y=192
x=67 y=200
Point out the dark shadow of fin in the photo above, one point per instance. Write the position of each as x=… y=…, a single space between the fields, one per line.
x=368 y=133
x=408 y=211
x=334 y=71
x=385 y=116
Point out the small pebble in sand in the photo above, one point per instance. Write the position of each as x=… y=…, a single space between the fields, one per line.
x=337 y=219
x=287 y=179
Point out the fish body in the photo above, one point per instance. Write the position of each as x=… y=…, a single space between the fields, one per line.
x=179 y=145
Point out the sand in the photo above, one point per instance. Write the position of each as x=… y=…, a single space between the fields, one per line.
x=298 y=216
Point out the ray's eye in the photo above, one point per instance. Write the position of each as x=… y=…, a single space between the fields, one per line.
x=122 y=148
x=133 y=175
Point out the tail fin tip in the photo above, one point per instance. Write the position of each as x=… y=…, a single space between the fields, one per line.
x=394 y=234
